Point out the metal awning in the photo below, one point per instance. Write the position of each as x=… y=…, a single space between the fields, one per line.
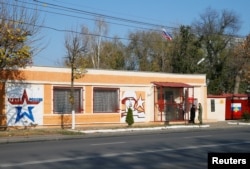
x=172 y=84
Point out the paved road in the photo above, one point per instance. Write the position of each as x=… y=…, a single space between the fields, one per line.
x=178 y=150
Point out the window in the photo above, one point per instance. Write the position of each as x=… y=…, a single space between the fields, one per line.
x=61 y=103
x=105 y=100
x=169 y=96
x=212 y=105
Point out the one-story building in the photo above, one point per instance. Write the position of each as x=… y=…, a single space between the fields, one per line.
x=227 y=106
x=41 y=96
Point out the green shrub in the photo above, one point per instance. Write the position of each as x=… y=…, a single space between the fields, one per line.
x=246 y=116
x=130 y=117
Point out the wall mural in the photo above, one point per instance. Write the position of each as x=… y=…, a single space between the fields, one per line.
x=23 y=105
x=135 y=101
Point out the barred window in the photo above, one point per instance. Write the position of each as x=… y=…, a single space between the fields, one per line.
x=61 y=102
x=105 y=100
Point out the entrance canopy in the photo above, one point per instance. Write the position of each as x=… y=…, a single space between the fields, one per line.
x=172 y=100
x=172 y=84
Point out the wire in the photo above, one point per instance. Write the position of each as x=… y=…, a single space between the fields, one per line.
x=65 y=30
x=74 y=16
x=69 y=9
x=59 y=7
x=80 y=17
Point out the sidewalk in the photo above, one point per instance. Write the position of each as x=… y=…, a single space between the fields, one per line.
x=95 y=131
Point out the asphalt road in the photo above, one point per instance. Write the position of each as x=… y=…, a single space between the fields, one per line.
x=154 y=150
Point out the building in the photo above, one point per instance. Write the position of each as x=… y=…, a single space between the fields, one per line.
x=41 y=96
x=227 y=106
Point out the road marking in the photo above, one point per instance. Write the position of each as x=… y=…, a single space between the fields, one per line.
x=6 y=165
x=100 y=144
x=189 y=137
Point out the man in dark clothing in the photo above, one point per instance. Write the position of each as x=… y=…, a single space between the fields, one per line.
x=192 y=111
x=200 y=113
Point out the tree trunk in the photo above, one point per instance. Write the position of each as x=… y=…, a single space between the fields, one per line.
x=236 y=84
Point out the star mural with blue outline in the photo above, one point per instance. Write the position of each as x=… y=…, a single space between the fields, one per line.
x=24 y=110
x=21 y=114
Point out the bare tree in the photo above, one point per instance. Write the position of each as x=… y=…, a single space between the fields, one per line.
x=90 y=42
x=96 y=41
x=76 y=48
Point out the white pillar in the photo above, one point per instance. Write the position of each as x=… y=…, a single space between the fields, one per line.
x=73 y=120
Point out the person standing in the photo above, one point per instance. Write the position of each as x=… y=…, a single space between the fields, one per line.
x=200 y=113
x=192 y=114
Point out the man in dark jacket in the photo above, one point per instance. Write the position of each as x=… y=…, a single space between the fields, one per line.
x=192 y=113
x=200 y=113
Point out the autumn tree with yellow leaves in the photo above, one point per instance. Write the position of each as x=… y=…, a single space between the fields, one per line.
x=18 y=27
x=13 y=51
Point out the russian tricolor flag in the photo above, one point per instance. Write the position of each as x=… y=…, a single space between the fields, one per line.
x=166 y=34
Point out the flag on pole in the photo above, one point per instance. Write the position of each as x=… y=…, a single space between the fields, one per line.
x=166 y=34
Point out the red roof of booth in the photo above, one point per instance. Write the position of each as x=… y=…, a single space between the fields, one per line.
x=227 y=95
x=171 y=84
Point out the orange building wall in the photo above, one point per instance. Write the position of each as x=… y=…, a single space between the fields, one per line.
x=65 y=77
x=62 y=120
x=61 y=77
x=88 y=100
x=134 y=80
x=48 y=109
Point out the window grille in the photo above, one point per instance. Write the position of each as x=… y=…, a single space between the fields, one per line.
x=61 y=102
x=105 y=100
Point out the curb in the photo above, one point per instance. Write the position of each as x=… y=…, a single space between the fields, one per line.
x=238 y=123
x=141 y=129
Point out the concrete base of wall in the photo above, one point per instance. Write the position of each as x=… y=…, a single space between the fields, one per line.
x=210 y=121
x=178 y=122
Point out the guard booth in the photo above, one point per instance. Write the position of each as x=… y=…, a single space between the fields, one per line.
x=236 y=105
x=173 y=101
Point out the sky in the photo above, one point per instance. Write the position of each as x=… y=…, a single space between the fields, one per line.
x=121 y=15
